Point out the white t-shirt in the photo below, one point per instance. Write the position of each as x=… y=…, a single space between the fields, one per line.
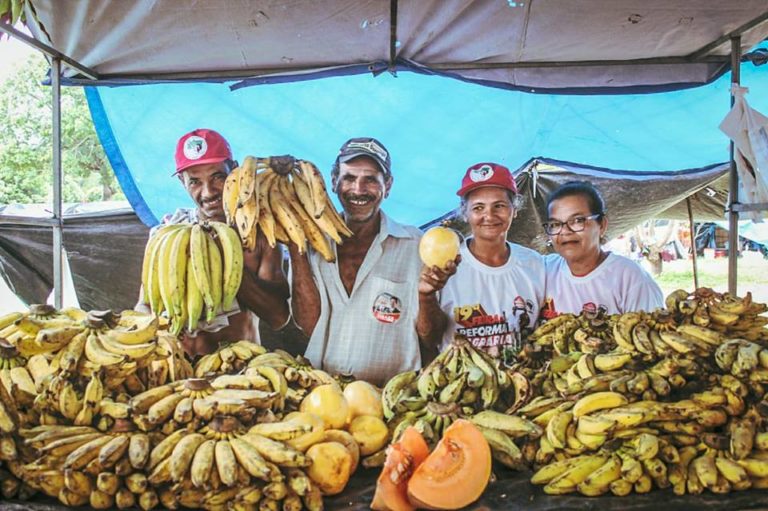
x=618 y=285
x=494 y=307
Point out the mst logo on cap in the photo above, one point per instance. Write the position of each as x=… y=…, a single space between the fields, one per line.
x=483 y=173
x=199 y=147
x=195 y=147
x=487 y=174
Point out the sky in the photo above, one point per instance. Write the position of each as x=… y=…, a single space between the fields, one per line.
x=12 y=52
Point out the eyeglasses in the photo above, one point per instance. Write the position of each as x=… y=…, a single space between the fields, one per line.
x=371 y=147
x=575 y=224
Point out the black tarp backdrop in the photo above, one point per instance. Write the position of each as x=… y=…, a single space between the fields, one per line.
x=630 y=197
x=104 y=251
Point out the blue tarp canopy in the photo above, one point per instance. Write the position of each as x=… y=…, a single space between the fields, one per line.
x=435 y=127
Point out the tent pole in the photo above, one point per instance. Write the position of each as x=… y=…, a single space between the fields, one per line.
x=693 y=244
x=733 y=186
x=58 y=288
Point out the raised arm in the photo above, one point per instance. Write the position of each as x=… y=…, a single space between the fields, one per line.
x=264 y=288
x=305 y=297
x=431 y=321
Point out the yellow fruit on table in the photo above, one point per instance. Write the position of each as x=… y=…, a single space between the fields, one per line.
x=438 y=246
x=331 y=466
x=363 y=399
x=371 y=433
x=315 y=435
x=329 y=403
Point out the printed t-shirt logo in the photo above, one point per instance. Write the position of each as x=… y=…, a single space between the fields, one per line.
x=483 y=173
x=593 y=310
x=195 y=147
x=549 y=310
x=387 y=308
x=483 y=330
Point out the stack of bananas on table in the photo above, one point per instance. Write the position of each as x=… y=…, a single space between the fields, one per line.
x=673 y=398
x=292 y=376
x=294 y=208
x=462 y=382
x=189 y=269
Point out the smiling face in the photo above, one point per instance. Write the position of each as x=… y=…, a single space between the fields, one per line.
x=575 y=246
x=205 y=184
x=361 y=187
x=489 y=213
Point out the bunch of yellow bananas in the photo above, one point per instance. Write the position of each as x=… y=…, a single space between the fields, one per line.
x=291 y=209
x=291 y=376
x=229 y=358
x=189 y=269
x=722 y=312
x=223 y=461
x=672 y=401
x=9 y=356
x=82 y=465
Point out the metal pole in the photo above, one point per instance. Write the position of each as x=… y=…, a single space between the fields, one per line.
x=693 y=244
x=733 y=186
x=58 y=280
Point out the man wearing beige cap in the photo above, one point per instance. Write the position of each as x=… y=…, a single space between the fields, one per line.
x=360 y=311
x=203 y=161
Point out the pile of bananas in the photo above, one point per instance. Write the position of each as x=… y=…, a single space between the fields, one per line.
x=294 y=208
x=673 y=398
x=88 y=425
x=189 y=269
x=462 y=382
x=173 y=406
x=9 y=356
x=226 y=463
x=291 y=376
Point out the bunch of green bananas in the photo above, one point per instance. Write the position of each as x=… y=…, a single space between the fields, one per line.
x=461 y=374
x=293 y=208
x=191 y=269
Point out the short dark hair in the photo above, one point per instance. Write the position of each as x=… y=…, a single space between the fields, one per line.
x=579 y=189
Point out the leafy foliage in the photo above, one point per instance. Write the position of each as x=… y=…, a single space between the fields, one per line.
x=26 y=143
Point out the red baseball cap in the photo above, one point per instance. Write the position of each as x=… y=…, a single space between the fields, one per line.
x=487 y=174
x=199 y=147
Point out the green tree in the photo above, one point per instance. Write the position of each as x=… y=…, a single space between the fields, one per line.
x=26 y=142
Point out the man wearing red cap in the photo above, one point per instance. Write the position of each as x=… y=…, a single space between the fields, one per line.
x=495 y=295
x=203 y=161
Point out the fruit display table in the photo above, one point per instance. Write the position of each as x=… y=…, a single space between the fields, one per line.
x=512 y=490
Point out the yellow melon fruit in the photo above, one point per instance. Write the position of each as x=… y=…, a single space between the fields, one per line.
x=438 y=246
x=331 y=466
x=329 y=403
x=363 y=399
x=371 y=433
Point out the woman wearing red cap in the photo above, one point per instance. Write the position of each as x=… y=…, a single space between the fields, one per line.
x=493 y=299
x=582 y=276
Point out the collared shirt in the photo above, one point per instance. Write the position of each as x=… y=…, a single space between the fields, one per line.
x=190 y=216
x=370 y=333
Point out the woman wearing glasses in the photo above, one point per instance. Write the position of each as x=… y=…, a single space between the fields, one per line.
x=582 y=276
x=495 y=295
